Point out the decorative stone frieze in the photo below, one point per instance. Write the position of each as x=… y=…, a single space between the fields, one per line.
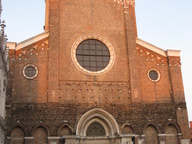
x=151 y=56
x=31 y=50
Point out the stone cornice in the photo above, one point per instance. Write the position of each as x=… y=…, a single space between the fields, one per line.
x=28 y=42
x=168 y=53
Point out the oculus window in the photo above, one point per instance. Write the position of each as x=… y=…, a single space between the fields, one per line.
x=30 y=71
x=93 y=55
x=154 y=75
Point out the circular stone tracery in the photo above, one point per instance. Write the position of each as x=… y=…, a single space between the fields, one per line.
x=93 y=54
x=153 y=75
x=30 y=71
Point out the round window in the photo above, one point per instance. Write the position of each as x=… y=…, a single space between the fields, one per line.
x=153 y=75
x=30 y=71
x=92 y=55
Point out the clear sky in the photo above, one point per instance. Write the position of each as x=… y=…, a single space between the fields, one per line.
x=164 y=23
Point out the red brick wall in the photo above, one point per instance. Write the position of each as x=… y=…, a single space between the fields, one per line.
x=23 y=89
x=159 y=91
x=101 y=18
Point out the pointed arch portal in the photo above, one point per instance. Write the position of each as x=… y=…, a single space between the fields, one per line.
x=100 y=118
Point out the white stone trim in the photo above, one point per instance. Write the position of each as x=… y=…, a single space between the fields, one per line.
x=100 y=38
x=161 y=135
x=28 y=138
x=151 y=47
x=100 y=122
x=159 y=75
x=11 y=45
x=174 y=53
x=17 y=138
x=54 y=138
x=32 y=40
x=69 y=137
x=170 y=135
x=185 y=141
x=127 y=135
x=97 y=138
x=107 y=118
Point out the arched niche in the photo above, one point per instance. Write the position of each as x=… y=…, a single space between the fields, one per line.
x=65 y=130
x=171 y=134
x=127 y=130
x=99 y=117
x=17 y=136
x=40 y=135
x=151 y=134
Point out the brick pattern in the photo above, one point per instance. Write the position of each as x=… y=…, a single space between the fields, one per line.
x=61 y=93
x=53 y=115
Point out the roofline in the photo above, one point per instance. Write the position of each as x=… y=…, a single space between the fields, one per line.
x=27 y=42
x=167 y=53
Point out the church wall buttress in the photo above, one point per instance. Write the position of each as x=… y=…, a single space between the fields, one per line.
x=178 y=94
x=53 y=51
x=132 y=53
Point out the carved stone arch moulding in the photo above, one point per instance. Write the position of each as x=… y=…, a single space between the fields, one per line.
x=151 y=56
x=31 y=50
x=96 y=37
x=100 y=116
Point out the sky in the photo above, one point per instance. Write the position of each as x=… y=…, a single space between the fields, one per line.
x=166 y=24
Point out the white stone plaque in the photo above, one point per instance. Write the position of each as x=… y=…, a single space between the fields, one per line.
x=139 y=141
x=185 y=141
x=126 y=141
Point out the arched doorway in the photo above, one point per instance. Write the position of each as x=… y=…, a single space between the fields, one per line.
x=129 y=132
x=17 y=136
x=171 y=134
x=97 y=126
x=63 y=132
x=40 y=135
x=151 y=135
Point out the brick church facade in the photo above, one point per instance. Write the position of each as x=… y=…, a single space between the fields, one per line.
x=89 y=79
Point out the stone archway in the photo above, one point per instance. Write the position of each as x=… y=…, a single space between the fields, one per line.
x=103 y=119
